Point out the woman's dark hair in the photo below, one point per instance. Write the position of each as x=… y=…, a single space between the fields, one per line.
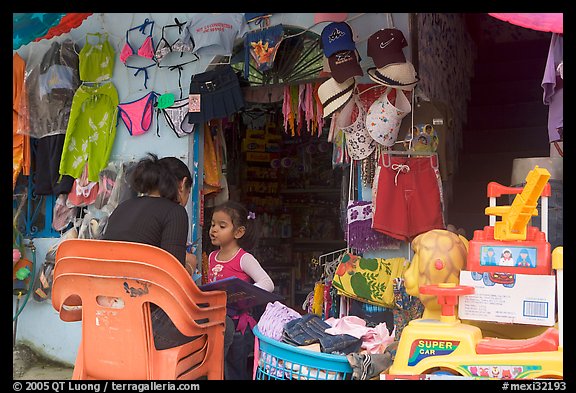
x=162 y=175
x=239 y=215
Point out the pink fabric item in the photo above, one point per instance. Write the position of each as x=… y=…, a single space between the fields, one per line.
x=309 y=106
x=374 y=339
x=83 y=192
x=146 y=50
x=137 y=115
x=16 y=255
x=549 y=21
x=332 y=129
x=273 y=319
x=244 y=320
x=125 y=53
x=320 y=17
x=223 y=269
x=286 y=107
x=319 y=117
x=377 y=339
x=301 y=107
x=349 y=324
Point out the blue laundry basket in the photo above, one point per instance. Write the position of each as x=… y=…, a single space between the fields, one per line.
x=277 y=360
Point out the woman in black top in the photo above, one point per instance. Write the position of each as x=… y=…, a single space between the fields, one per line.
x=157 y=217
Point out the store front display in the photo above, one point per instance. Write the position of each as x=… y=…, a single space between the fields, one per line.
x=341 y=138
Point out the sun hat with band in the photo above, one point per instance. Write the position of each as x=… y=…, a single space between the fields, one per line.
x=334 y=95
x=337 y=36
x=385 y=47
x=397 y=75
x=344 y=64
x=383 y=119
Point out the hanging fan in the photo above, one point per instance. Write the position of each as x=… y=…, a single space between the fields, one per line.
x=298 y=59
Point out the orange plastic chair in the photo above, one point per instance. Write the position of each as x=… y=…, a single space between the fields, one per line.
x=117 y=343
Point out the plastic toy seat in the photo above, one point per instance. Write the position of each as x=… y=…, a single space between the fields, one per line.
x=117 y=340
x=547 y=341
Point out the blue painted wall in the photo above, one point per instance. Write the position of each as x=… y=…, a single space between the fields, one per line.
x=39 y=324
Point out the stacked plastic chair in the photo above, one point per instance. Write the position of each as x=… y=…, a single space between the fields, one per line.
x=117 y=341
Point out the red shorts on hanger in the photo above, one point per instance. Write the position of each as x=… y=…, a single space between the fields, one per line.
x=406 y=197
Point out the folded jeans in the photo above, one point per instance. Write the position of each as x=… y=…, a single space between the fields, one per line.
x=311 y=329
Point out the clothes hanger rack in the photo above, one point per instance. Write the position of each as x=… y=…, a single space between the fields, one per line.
x=384 y=156
x=315 y=24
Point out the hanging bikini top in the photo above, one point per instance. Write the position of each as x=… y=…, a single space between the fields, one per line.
x=164 y=47
x=146 y=50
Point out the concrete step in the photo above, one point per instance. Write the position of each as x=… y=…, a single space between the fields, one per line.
x=506 y=139
x=506 y=92
x=516 y=115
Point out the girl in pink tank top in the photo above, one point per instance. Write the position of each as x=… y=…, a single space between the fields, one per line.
x=232 y=231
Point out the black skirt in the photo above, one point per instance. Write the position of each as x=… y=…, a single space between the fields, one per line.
x=214 y=94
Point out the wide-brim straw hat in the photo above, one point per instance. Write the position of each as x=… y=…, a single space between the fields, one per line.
x=334 y=95
x=397 y=75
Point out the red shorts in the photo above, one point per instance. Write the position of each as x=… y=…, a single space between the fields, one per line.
x=406 y=197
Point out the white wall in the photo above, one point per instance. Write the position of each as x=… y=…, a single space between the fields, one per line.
x=39 y=324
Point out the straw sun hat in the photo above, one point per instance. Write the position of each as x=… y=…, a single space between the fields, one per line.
x=334 y=95
x=398 y=75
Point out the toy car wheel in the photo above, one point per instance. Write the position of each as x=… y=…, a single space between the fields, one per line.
x=487 y=281
x=443 y=371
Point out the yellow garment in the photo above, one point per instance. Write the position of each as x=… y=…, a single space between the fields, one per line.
x=368 y=279
x=212 y=166
x=318 y=301
x=20 y=142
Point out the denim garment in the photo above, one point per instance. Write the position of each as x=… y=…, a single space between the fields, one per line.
x=311 y=329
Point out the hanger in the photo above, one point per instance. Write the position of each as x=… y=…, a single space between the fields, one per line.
x=420 y=96
x=220 y=62
x=407 y=153
x=262 y=23
x=390 y=22
x=370 y=88
x=318 y=23
x=259 y=109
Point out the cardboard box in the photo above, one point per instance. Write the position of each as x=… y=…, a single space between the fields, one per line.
x=509 y=298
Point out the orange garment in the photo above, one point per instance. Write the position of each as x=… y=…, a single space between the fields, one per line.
x=20 y=142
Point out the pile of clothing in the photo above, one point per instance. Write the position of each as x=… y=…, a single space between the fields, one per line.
x=369 y=350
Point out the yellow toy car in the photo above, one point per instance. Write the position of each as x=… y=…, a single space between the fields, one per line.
x=448 y=346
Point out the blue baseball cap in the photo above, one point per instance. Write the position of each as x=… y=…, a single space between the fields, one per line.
x=336 y=37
